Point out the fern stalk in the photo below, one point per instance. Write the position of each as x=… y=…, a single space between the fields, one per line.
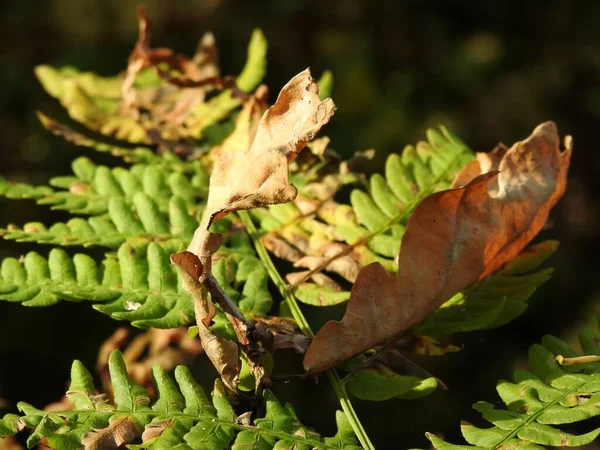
x=288 y=297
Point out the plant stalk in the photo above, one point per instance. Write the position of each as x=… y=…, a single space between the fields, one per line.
x=290 y=300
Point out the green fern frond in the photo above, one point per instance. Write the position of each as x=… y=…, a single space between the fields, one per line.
x=14 y=190
x=371 y=227
x=181 y=417
x=137 y=224
x=92 y=187
x=539 y=400
x=138 y=284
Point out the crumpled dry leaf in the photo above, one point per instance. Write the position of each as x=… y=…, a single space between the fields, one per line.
x=120 y=431
x=200 y=71
x=453 y=238
x=223 y=353
x=247 y=178
x=250 y=171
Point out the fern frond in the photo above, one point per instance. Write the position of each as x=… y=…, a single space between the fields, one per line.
x=92 y=187
x=98 y=110
x=143 y=155
x=139 y=284
x=80 y=94
x=137 y=224
x=14 y=190
x=341 y=238
x=181 y=417
x=539 y=400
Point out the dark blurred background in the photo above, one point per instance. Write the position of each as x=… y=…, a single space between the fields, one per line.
x=489 y=71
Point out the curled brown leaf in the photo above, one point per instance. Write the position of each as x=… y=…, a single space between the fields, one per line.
x=256 y=175
x=453 y=238
x=223 y=353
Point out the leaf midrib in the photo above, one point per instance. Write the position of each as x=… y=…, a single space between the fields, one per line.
x=536 y=414
x=212 y=420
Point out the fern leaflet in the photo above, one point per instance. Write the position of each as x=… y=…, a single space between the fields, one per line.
x=181 y=417
x=540 y=399
x=139 y=284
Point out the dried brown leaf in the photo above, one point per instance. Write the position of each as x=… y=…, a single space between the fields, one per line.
x=120 y=431
x=223 y=353
x=453 y=238
x=249 y=177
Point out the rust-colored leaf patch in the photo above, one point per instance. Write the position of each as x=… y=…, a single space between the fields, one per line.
x=453 y=238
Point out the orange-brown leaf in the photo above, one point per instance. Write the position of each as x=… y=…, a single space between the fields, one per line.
x=453 y=238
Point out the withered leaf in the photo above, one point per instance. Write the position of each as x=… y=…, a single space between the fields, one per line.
x=249 y=177
x=453 y=238
x=120 y=431
x=223 y=353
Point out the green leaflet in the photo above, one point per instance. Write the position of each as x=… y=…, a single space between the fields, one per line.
x=181 y=416
x=540 y=399
x=495 y=301
x=256 y=63
x=139 y=284
x=325 y=85
x=383 y=384
x=140 y=225
x=91 y=187
x=372 y=225
x=23 y=190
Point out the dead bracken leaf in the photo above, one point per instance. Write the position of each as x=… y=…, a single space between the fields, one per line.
x=250 y=170
x=453 y=238
x=202 y=70
x=120 y=431
x=223 y=353
x=249 y=177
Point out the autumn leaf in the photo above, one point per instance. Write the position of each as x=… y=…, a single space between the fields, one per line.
x=250 y=170
x=257 y=175
x=453 y=238
x=223 y=353
x=200 y=71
